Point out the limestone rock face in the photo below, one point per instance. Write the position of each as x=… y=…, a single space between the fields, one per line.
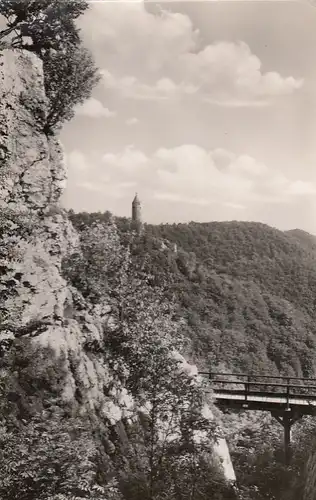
x=35 y=236
x=32 y=170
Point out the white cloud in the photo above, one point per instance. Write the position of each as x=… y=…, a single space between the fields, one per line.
x=94 y=109
x=190 y=175
x=133 y=36
x=130 y=161
x=161 y=56
x=132 y=121
x=228 y=72
x=131 y=87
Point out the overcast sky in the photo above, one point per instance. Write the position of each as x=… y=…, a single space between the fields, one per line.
x=206 y=109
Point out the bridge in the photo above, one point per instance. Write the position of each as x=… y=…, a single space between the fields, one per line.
x=288 y=399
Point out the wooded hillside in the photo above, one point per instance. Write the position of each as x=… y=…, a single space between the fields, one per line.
x=247 y=294
x=247 y=291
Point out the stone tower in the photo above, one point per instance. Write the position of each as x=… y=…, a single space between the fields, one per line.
x=137 y=214
x=136 y=210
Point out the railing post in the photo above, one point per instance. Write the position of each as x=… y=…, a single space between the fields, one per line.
x=247 y=387
x=288 y=393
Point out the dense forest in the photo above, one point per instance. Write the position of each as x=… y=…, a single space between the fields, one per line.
x=247 y=294
x=246 y=290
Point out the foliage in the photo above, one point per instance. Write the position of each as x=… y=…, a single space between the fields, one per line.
x=140 y=344
x=48 y=457
x=49 y=23
x=69 y=77
x=48 y=451
x=69 y=71
x=97 y=262
x=33 y=381
x=232 y=283
x=256 y=447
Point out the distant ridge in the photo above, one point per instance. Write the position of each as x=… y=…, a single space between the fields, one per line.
x=304 y=238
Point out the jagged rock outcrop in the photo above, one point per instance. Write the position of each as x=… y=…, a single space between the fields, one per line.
x=36 y=236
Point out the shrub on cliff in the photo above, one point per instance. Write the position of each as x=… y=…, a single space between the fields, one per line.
x=69 y=70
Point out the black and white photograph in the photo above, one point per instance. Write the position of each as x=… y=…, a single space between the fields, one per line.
x=157 y=250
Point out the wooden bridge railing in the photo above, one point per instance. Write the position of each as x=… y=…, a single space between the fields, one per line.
x=235 y=383
x=261 y=380
x=288 y=399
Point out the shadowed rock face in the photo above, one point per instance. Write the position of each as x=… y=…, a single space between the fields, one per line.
x=35 y=236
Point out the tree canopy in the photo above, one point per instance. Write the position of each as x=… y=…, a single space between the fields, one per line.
x=69 y=70
x=49 y=23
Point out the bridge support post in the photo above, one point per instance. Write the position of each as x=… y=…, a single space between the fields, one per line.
x=287 y=419
x=287 y=437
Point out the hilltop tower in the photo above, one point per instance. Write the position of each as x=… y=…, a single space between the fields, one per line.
x=137 y=214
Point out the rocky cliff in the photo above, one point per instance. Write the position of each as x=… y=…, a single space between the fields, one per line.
x=36 y=236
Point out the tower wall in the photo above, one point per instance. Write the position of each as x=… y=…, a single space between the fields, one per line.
x=136 y=212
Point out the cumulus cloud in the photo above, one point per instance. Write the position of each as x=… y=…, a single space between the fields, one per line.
x=131 y=87
x=161 y=56
x=189 y=175
x=226 y=68
x=94 y=109
x=131 y=161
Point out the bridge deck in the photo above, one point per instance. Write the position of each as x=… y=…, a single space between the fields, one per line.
x=286 y=401
x=265 y=403
x=259 y=393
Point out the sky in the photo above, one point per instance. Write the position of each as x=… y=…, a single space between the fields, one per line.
x=205 y=109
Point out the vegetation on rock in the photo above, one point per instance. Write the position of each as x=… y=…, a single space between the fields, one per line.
x=69 y=70
x=162 y=447
x=139 y=344
x=233 y=285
